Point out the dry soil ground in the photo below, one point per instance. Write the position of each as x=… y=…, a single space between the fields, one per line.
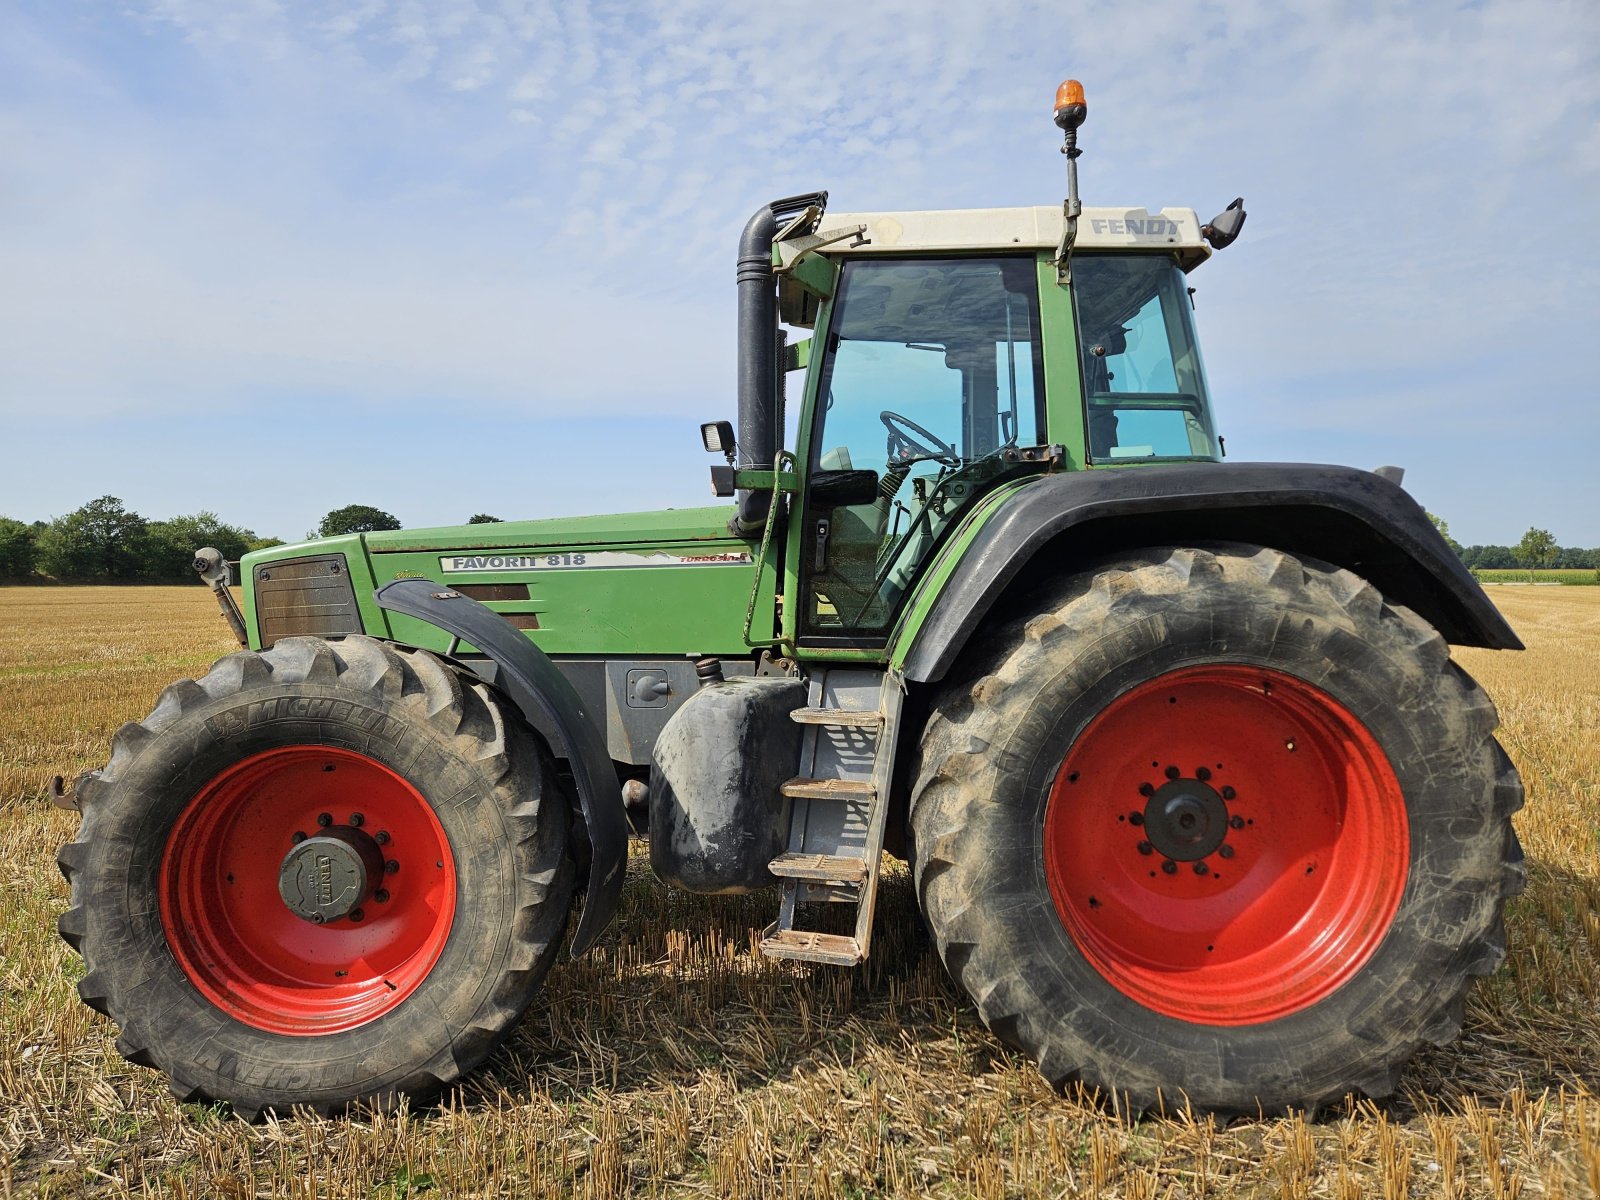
x=674 y=1062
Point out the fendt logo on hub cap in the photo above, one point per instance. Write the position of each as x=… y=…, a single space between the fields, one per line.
x=325 y=878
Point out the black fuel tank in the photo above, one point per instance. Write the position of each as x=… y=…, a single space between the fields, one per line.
x=716 y=815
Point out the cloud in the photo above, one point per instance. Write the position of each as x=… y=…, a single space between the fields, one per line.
x=522 y=205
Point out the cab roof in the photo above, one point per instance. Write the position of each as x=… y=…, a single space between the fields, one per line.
x=1034 y=228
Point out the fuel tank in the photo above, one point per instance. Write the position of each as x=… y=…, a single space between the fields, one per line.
x=717 y=817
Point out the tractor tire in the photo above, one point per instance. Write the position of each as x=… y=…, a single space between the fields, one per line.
x=1216 y=826
x=329 y=872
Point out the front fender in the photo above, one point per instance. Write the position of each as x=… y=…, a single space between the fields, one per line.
x=1343 y=516
x=551 y=705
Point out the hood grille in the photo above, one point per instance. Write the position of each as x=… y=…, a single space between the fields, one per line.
x=298 y=597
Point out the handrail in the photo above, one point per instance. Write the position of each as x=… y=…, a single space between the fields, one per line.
x=778 y=462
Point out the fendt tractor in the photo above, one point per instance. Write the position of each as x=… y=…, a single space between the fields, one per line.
x=1197 y=806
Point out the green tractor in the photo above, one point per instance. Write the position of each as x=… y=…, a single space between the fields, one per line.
x=1198 y=806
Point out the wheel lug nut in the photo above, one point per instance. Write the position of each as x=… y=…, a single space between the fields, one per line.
x=1236 y=822
x=1225 y=850
x=1145 y=848
x=297 y=837
x=356 y=914
x=1228 y=793
x=1146 y=789
x=1170 y=867
x=357 y=820
x=1136 y=818
x=391 y=866
x=381 y=837
x=1172 y=772
x=381 y=896
x=1200 y=868
x=324 y=819
x=1202 y=773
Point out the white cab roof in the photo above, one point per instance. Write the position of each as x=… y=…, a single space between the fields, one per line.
x=1035 y=228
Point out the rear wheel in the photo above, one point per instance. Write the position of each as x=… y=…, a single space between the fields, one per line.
x=328 y=872
x=1217 y=826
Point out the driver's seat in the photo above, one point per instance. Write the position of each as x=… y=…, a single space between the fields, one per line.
x=1102 y=432
x=855 y=536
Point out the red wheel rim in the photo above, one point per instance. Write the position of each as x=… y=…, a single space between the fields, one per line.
x=241 y=944
x=1226 y=844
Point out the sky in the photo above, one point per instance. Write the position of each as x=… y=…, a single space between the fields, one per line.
x=268 y=258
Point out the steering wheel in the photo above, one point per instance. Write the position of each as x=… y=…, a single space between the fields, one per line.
x=907 y=439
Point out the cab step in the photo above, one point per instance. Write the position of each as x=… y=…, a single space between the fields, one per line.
x=840 y=718
x=834 y=949
x=801 y=788
x=839 y=805
x=821 y=868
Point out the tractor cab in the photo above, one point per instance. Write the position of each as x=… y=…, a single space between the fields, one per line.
x=949 y=358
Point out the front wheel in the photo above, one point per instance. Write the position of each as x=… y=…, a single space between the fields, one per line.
x=322 y=873
x=1217 y=826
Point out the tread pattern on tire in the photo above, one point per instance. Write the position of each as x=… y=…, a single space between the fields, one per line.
x=470 y=719
x=970 y=742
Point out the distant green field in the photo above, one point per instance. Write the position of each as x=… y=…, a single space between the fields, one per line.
x=1578 y=575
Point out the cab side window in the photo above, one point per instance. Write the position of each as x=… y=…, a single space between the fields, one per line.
x=931 y=370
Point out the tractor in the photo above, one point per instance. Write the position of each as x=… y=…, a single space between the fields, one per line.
x=1197 y=807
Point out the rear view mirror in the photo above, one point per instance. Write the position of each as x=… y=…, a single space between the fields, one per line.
x=1225 y=226
x=840 y=488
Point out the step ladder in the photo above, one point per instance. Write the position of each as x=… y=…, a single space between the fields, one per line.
x=838 y=805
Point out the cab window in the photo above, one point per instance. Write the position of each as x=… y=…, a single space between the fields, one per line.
x=932 y=369
x=1144 y=385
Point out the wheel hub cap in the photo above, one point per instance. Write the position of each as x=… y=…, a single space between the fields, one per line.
x=1186 y=820
x=328 y=876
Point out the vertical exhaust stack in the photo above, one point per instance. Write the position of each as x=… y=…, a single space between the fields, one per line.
x=758 y=350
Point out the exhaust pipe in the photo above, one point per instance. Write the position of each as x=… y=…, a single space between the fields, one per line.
x=758 y=353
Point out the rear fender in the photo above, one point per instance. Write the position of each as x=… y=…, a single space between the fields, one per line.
x=551 y=705
x=1343 y=516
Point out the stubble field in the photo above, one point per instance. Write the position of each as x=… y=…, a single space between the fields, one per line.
x=673 y=1061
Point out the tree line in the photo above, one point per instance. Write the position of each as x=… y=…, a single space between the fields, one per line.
x=1505 y=558
x=105 y=542
x=1538 y=550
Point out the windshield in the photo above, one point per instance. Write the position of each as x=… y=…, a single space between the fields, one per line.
x=932 y=370
x=1144 y=383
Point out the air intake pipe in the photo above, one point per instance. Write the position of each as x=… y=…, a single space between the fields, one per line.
x=758 y=350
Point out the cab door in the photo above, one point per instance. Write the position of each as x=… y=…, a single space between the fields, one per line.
x=930 y=372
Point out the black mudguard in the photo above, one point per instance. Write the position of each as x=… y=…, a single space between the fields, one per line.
x=551 y=705
x=1343 y=516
